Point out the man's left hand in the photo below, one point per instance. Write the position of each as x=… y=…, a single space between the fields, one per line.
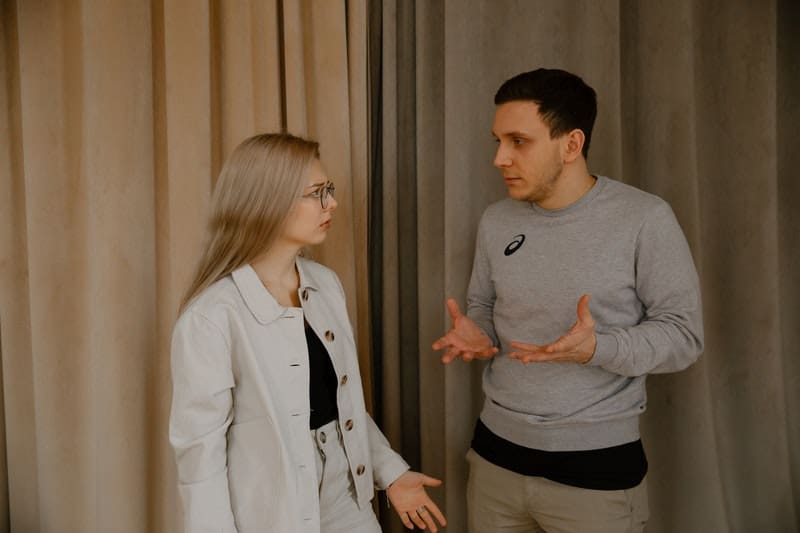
x=576 y=345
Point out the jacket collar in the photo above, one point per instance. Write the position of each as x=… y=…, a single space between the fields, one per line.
x=257 y=298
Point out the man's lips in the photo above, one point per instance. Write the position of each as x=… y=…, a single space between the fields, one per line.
x=511 y=180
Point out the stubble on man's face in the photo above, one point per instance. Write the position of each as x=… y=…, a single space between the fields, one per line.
x=546 y=183
x=529 y=159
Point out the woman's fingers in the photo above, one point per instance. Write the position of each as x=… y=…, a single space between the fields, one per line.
x=417 y=519
x=406 y=520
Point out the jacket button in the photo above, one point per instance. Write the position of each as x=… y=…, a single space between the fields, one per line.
x=360 y=470
x=329 y=336
x=344 y=380
x=322 y=437
x=348 y=425
x=305 y=294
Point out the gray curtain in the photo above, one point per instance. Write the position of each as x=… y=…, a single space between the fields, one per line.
x=698 y=103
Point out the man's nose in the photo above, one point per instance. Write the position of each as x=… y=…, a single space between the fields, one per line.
x=501 y=158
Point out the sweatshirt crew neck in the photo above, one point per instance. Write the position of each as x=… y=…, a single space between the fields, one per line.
x=577 y=205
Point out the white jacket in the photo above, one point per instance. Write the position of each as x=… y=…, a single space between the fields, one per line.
x=240 y=408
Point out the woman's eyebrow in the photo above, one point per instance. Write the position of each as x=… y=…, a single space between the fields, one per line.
x=315 y=185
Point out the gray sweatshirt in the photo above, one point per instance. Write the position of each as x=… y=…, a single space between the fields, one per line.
x=624 y=248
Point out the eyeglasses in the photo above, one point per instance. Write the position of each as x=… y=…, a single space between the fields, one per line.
x=323 y=192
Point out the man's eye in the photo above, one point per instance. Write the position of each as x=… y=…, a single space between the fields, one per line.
x=518 y=141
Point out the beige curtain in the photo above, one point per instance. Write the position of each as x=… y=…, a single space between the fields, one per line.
x=115 y=118
x=698 y=104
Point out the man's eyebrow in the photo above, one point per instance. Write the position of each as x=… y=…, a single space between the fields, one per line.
x=511 y=134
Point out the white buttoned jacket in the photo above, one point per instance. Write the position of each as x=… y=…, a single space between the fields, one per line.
x=239 y=423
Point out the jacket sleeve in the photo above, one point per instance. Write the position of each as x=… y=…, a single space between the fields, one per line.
x=480 y=294
x=202 y=410
x=669 y=337
x=387 y=465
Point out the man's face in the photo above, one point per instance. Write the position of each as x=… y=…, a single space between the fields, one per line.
x=530 y=160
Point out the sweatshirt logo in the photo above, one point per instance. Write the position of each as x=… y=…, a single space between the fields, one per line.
x=514 y=245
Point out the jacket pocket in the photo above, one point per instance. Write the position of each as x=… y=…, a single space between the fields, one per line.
x=256 y=476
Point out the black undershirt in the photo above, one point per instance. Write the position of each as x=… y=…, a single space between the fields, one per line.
x=616 y=468
x=323 y=382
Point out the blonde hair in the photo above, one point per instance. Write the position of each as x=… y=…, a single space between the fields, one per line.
x=254 y=194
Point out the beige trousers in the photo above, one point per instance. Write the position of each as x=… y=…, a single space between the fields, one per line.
x=502 y=500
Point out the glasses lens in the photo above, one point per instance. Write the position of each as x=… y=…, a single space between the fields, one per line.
x=327 y=191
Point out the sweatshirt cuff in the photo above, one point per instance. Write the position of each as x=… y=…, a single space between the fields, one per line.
x=605 y=350
x=492 y=337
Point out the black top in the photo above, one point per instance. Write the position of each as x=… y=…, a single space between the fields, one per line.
x=616 y=468
x=323 y=382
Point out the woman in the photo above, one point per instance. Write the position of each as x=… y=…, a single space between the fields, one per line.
x=268 y=420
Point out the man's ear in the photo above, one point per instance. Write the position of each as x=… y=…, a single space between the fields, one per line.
x=573 y=145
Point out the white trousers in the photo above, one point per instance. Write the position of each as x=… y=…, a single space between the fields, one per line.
x=339 y=512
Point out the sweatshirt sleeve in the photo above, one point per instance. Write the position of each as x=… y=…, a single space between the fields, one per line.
x=202 y=410
x=669 y=338
x=480 y=294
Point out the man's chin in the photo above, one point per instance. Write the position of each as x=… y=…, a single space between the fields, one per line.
x=516 y=193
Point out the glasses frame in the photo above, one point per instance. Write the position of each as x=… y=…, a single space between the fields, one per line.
x=323 y=192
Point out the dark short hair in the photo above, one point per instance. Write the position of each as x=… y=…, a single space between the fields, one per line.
x=565 y=101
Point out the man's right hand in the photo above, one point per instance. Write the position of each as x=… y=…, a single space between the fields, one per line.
x=465 y=339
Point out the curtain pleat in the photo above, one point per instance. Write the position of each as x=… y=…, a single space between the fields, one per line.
x=116 y=118
x=788 y=193
x=696 y=104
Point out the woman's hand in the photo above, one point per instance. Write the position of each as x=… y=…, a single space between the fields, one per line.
x=408 y=497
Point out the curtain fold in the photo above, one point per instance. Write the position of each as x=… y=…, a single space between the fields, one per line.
x=696 y=104
x=788 y=192
x=116 y=118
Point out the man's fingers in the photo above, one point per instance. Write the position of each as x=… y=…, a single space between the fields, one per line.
x=527 y=357
x=584 y=314
x=451 y=354
x=450 y=340
x=457 y=348
x=526 y=347
x=488 y=352
x=452 y=307
x=440 y=343
x=558 y=345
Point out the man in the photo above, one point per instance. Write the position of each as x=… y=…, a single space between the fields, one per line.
x=581 y=286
